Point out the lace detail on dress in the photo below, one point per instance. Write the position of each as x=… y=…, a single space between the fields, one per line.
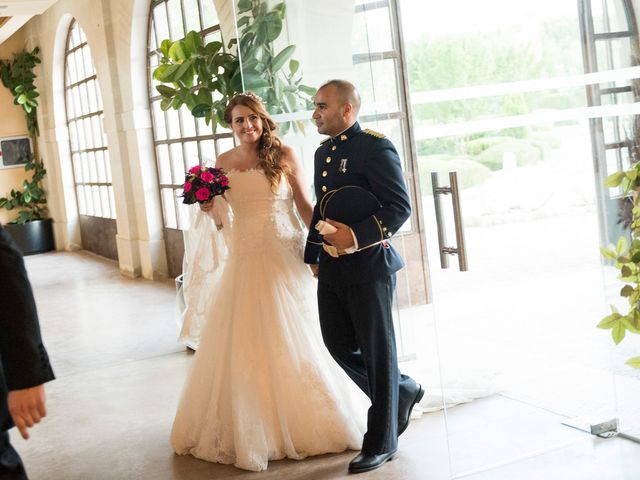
x=288 y=230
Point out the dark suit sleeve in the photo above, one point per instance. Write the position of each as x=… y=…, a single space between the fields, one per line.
x=384 y=174
x=24 y=359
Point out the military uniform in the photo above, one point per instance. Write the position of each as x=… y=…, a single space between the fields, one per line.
x=24 y=362
x=355 y=291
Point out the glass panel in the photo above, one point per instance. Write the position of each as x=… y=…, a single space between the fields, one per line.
x=192 y=15
x=93 y=171
x=614 y=53
x=378 y=86
x=160 y=23
x=209 y=13
x=191 y=155
x=372 y=31
x=164 y=164
x=169 y=207
x=104 y=201
x=177 y=163
x=173 y=123
x=160 y=128
x=175 y=19
x=82 y=206
x=95 y=199
x=77 y=167
x=102 y=174
x=188 y=123
x=609 y=16
x=207 y=152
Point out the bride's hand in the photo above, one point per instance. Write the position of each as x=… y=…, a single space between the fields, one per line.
x=314 y=269
x=205 y=207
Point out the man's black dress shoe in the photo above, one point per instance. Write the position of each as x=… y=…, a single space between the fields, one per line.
x=404 y=409
x=365 y=462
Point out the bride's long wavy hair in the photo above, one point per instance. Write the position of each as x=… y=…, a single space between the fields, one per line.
x=270 y=145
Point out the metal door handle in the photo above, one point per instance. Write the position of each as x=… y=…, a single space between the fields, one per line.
x=459 y=249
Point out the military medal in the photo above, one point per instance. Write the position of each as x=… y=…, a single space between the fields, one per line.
x=343 y=165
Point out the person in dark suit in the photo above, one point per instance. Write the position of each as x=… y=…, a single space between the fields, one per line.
x=356 y=266
x=24 y=363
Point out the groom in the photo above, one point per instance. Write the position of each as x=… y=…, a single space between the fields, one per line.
x=356 y=267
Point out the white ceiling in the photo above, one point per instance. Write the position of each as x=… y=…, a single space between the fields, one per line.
x=20 y=12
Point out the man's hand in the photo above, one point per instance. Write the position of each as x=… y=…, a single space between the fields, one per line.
x=205 y=207
x=343 y=238
x=27 y=407
x=314 y=269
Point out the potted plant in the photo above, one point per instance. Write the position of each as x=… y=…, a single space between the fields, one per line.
x=195 y=74
x=625 y=255
x=31 y=229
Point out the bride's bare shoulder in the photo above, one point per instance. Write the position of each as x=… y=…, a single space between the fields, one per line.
x=227 y=160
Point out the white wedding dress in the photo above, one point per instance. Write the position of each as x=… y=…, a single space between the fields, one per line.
x=262 y=385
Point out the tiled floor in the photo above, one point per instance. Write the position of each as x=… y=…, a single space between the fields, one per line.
x=120 y=371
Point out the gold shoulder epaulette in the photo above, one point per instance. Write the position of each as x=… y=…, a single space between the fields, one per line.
x=368 y=131
x=325 y=141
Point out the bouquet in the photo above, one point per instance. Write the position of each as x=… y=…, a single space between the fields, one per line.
x=201 y=184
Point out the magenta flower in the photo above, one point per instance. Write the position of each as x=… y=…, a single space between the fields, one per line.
x=187 y=186
x=207 y=177
x=195 y=170
x=202 y=194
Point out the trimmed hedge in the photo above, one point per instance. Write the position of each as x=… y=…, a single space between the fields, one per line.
x=470 y=172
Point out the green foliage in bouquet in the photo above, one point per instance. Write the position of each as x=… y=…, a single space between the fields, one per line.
x=204 y=77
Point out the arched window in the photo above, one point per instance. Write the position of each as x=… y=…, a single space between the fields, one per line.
x=181 y=141
x=85 y=120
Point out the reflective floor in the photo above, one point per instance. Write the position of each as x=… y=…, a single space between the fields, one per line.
x=120 y=371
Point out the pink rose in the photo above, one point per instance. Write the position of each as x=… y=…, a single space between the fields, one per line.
x=207 y=177
x=202 y=194
x=195 y=170
x=224 y=182
x=187 y=187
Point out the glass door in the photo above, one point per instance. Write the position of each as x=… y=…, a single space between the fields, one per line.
x=500 y=99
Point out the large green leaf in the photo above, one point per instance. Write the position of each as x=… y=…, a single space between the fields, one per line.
x=609 y=321
x=213 y=47
x=308 y=90
x=165 y=90
x=294 y=65
x=608 y=253
x=164 y=73
x=165 y=46
x=273 y=23
x=192 y=41
x=621 y=246
x=614 y=179
x=618 y=332
x=201 y=110
x=177 y=51
x=633 y=362
x=183 y=71
x=244 y=6
x=281 y=58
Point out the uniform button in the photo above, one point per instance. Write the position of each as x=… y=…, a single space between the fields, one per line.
x=389 y=234
x=324 y=188
x=328 y=159
x=333 y=149
x=384 y=229
x=324 y=174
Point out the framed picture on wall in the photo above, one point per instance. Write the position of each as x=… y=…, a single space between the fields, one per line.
x=14 y=151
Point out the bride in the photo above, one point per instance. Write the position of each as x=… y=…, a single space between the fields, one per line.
x=261 y=386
